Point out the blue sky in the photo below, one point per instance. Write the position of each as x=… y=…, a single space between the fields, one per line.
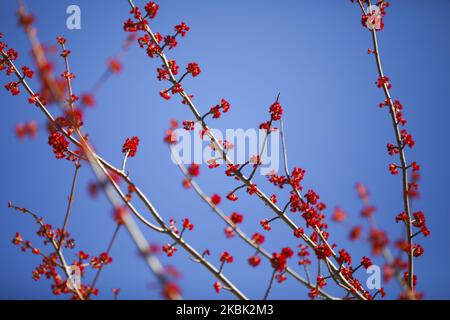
x=313 y=52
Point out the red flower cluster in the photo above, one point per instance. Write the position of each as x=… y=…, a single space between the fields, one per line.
x=27 y=129
x=193 y=69
x=225 y=257
x=276 y=111
x=279 y=260
x=130 y=146
x=59 y=144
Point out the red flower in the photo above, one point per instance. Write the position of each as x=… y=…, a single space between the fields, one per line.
x=13 y=87
x=338 y=215
x=217 y=286
x=417 y=250
x=114 y=65
x=27 y=72
x=355 y=233
x=215 y=199
x=187 y=224
x=181 y=29
x=265 y=224
x=366 y=262
x=393 y=169
x=323 y=251
x=170 y=42
x=258 y=238
x=152 y=9
x=193 y=69
x=188 y=125
x=59 y=144
x=194 y=170
x=88 y=100
x=254 y=261
x=252 y=189
x=236 y=218
x=299 y=233
x=407 y=138
x=344 y=257
x=225 y=105
x=17 y=239
x=131 y=146
x=276 y=111
x=383 y=81
x=312 y=197
x=229 y=232
x=225 y=257
x=169 y=249
x=232 y=197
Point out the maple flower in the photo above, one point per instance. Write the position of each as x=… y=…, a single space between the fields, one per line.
x=236 y=218
x=182 y=29
x=114 y=65
x=217 y=286
x=152 y=9
x=232 y=197
x=366 y=262
x=27 y=72
x=276 y=111
x=265 y=224
x=215 y=199
x=393 y=169
x=169 y=249
x=131 y=146
x=383 y=81
x=193 y=69
x=194 y=170
x=187 y=224
x=254 y=261
x=225 y=257
x=59 y=144
x=338 y=215
x=355 y=233
x=258 y=238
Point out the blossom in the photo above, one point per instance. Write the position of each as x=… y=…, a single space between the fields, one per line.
x=366 y=262
x=338 y=215
x=225 y=257
x=194 y=170
x=187 y=224
x=59 y=144
x=27 y=72
x=188 y=125
x=276 y=111
x=254 y=261
x=169 y=249
x=182 y=29
x=232 y=197
x=236 y=218
x=258 y=238
x=215 y=199
x=130 y=146
x=193 y=69
x=265 y=224
x=355 y=233
x=217 y=286
x=114 y=65
x=152 y=9
x=383 y=81
x=393 y=169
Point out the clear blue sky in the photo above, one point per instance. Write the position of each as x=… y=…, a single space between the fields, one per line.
x=313 y=52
